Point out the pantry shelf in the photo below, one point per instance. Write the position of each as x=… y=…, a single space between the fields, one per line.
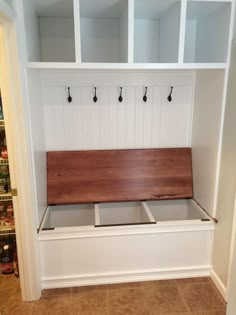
x=6 y=197
x=7 y=230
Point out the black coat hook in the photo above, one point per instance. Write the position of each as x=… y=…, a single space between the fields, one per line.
x=95 y=99
x=145 y=95
x=169 y=98
x=69 y=99
x=120 y=97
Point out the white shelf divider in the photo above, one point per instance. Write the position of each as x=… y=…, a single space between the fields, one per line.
x=183 y=17
x=131 y=31
x=77 y=31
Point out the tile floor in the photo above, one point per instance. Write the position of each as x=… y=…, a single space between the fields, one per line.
x=172 y=297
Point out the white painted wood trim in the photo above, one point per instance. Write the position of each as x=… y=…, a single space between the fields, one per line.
x=92 y=232
x=183 y=16
x=77 y=31
x=219 y=284
x=223 y=109
x=130 y=31
x=12 y=78
x=126 y=66
x=137 y=275
x=232 y=246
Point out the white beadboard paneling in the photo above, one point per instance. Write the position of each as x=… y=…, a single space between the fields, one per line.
x=109 y=124
x=176 y=117
x=156 y=117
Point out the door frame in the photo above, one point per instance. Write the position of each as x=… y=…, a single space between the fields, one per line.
x=13 y=91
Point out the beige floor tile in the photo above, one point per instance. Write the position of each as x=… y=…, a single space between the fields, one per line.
x=165 y=300
x=193 y=280
x=158 y=283
x=128 y=302
x=48 y=292
x=15 y=307
x=201 y=297
x=10 y=288
x=91 y=288
x=217 y=312
x=121 y=286
x=89 y=303
x=56 y=305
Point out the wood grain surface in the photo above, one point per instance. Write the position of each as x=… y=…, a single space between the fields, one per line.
x=118 y=175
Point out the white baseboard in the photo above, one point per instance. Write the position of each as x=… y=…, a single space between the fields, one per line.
x=121 y=277
x=219 y=284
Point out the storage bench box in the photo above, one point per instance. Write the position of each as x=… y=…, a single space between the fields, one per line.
x=175 y=245
x=122 y=215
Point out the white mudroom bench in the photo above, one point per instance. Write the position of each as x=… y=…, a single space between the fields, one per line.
x=122 y=215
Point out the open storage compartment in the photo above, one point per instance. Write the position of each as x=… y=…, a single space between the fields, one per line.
x=156 y=31
x=50 y=30
x=176 y=210
x=104 y=31
x=69 y=216
x=129 y=213
x=207 y=29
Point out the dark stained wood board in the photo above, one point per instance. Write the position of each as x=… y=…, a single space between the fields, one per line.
x=118 y=175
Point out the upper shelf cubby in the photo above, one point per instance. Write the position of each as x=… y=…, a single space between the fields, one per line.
x=156 y=31
x=207 y=31
x=49 y=26
x=128 y=34
x=104 y=31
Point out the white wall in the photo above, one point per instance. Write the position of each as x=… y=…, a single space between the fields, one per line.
x=211 y=39
x=32 y=31
x=109 y=124
x=206 y=133
x=227 y=185
x=232 y=283
x=100 y=40
x=169 y=38
x=146 y=40
x=57 y=42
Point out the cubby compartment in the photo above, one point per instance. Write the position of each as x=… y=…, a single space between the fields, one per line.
x=69 y=216
x=50 y=32
x=104 y=31
x=176 y=210
x=156 y=31
x=207 y=31
x=128 y=213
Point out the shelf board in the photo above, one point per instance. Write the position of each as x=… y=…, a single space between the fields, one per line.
x=2 y=123
x=6 y=197
x=7 y=230
x=3 y=161
x=125 y=66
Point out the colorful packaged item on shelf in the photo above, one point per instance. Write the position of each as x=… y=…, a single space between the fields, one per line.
x=1 y=111
x=4 y=171
x=4 y=153
x=6 y=259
